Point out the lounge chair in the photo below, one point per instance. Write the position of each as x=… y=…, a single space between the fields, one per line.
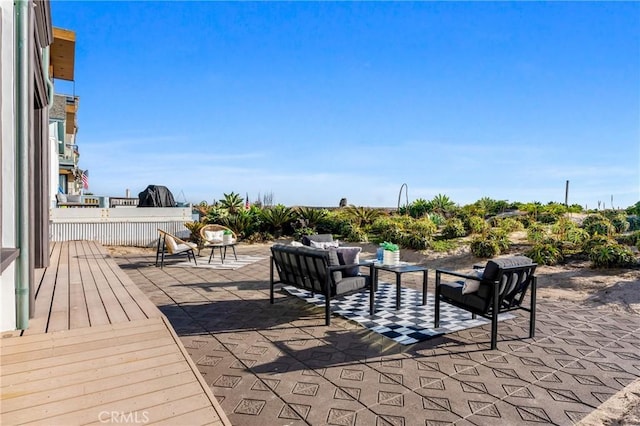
x=499 y=287
x=172 y=245
x=213 y=235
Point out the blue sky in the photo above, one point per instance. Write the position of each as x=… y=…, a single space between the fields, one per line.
x=315 y=101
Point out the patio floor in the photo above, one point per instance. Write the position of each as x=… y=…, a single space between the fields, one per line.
x=279 y=365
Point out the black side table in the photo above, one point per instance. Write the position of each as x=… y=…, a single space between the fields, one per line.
x=398 y=270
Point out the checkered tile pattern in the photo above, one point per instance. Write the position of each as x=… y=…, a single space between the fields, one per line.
x=412 y=323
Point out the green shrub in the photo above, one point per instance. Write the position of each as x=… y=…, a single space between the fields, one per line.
x=598 y=224
x=194 y=228
x=510 y=224
x=631 y=239
x=620 y=223
x=545 y=254
x=501 y=238
x=476 y=225
x=453 y=228
x=484 y=247
x=277 y=218
x=356 y=235
x=436 y=218
x=443 y=246
x=611 y=255
x=310 y=216
x=634 y=222
x=536 y=233
x=576 y=236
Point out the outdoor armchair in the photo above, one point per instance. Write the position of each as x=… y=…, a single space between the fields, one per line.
x=172 y=245
x=213 y=234
x=499 y=287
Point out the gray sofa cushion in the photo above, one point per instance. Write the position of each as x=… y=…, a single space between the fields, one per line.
x=319 y=238
x=348 y=284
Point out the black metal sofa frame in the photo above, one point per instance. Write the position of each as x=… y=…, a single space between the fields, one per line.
x=315 y=270
x=503 y=286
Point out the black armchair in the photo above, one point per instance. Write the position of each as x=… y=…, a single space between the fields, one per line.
x=501 y=287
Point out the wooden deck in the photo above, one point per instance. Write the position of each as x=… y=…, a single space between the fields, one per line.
x=98 y=351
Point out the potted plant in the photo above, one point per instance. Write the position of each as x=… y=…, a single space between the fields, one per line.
x=391 y=253
x=227 y=237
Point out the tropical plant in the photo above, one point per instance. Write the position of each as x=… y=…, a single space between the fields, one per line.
x=536 y=232
x=232 y=202
x=453 y=228
x=442 y=204
x=484 y=247
x=442 y=246
x=598 y=224
x=545 y=253
x=436 y=218
x=277 y=217
x=501 y=237
x=194 y=228
x=243 y=224
x=419 y=208
x=633 y=210
x=362 y=216
x=215 y=214
x=477 y=225
x=620 y=223
x=510 y=224
x=611 y=255
x=310 y=216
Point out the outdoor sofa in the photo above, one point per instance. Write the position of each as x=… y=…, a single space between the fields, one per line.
x=318 y=270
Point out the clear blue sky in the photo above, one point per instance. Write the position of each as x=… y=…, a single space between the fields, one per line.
x=313 y=102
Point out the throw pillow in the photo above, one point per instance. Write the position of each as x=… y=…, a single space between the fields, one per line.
x=470 y=285
x=214 y=236
x=324 y=244
x=349 y=256
x=172 y=245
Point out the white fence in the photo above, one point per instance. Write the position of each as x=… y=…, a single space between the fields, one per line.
x=124 y=226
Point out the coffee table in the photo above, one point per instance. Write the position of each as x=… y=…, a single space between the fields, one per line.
x=223 y=250
x=398 y=270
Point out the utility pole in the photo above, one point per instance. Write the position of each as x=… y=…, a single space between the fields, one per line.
x=566 y=194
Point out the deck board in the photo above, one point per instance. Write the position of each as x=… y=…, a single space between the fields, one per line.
x=98 y=345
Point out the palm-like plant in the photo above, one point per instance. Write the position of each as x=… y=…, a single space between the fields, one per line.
x=232 y=202
x=311 y=216
x=442 y=204
x=362 y=216
x=278 y=217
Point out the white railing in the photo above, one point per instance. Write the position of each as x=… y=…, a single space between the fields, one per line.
x=118 y=226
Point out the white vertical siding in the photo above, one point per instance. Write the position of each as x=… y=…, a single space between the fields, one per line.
x=119 y=226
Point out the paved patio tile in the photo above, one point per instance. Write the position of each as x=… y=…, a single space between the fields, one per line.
x=278 y=364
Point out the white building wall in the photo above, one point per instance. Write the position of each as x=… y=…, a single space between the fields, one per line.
x=7 y=158
x=54 y=167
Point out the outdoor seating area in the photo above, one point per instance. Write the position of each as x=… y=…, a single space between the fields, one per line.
x=280 y=364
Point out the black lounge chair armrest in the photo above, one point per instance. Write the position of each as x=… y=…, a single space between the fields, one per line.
x=365 y=263
x=458 y=274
